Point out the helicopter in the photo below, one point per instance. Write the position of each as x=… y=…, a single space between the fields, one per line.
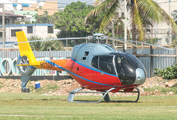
x=94 y=66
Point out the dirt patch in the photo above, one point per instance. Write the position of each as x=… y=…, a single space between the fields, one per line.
x=157 y=82
x=51 y=87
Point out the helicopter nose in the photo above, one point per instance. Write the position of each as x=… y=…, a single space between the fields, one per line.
x=140 y=76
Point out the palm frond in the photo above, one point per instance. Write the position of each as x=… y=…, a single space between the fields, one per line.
x=168 y=19
x=148 y=8
x=102 y=7
x=152 y=11
x=108 y=16
x=97 y=1
x=138 y=21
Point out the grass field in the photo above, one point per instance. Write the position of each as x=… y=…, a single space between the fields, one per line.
x=26 y=106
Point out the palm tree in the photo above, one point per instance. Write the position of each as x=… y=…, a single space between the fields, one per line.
x=43 y=46
x=143 y=13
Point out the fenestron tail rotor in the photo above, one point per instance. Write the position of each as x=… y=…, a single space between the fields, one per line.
x=24 y=60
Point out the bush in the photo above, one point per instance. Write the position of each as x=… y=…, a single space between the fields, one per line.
x=167 y=73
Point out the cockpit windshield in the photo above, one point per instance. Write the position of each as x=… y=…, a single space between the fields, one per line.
x=133 y=60
x=126 y=65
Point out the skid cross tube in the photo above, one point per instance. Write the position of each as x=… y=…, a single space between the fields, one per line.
x=129 y=100
x=105 y=96
x=72 y=94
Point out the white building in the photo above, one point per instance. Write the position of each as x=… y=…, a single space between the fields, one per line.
x=15 y=6
x=40 y=30
x=12 y=5
x=163 y=31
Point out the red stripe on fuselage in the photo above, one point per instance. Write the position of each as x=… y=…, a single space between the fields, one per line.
x=91 y=78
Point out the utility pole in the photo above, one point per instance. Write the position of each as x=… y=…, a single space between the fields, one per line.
x=152 y=34
x=125 y=26
x=170 y=33
x=3 y=26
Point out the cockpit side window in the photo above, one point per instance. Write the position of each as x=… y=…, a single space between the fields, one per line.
x=95 y=62
x=104 y=63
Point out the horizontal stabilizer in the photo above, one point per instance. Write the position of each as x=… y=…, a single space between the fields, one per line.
x=27 y=65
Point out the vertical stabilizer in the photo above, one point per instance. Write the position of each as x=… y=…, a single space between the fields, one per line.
x=25 y=49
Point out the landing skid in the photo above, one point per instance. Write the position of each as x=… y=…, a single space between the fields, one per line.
x=105 y=96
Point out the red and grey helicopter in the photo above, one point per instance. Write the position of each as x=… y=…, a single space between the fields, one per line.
x=94 y=66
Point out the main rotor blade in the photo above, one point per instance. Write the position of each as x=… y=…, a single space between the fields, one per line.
x=151 y=45
x=140 y=43
x=74 y=38
x=122 y=41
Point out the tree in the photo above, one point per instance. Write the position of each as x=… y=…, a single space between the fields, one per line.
x=143 y=13
x=23 y=20
x=45 y=18
x=70 y=21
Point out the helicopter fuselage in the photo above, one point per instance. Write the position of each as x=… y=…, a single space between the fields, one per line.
x=99 y=67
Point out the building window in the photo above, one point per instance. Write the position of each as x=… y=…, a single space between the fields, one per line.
x=50 y=29
x=13 y=32
x=148 y=30
x=0 y=34
x=29 y=29
x=7 y=21
x=122 y=15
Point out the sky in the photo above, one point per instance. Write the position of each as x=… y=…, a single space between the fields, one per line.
x=62 y=3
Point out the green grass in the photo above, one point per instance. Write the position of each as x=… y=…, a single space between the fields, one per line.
x=1 y=85
x=26 y=106
x=162 y=90
x=43 y=89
